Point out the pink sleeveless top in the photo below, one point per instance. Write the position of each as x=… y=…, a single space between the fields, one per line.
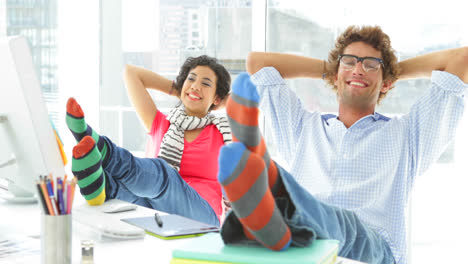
x=199 y=164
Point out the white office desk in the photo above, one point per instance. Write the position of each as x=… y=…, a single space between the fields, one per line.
x=26 y=220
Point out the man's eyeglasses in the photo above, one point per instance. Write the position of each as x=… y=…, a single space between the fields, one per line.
x=369 y=64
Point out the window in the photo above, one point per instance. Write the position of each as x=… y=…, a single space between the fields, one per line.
x=164 y=50
x=39 y=26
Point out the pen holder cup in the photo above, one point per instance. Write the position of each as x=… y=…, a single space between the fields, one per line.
x=56 y=239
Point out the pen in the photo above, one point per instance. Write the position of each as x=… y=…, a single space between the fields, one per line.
x=71 y=194
x=65 y=196
x=51 y=179
x=41 y=199
x=50 y=190
x=60 y=196
x=46 y=197
x=158 y=219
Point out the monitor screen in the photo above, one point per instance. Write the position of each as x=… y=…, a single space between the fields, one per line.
x=28 y=147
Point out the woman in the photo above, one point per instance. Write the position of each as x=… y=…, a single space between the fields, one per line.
x=180 y=176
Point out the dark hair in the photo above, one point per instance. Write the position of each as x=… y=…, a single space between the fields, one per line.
x=373 y=36
x=223 y=83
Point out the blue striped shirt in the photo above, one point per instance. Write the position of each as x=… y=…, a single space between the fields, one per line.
x=370 y=167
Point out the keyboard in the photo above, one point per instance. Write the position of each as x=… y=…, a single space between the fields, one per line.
x=109 y=224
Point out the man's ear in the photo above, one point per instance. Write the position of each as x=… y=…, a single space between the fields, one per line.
x=386 y=86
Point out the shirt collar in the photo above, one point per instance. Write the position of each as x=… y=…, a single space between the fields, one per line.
x=363 y=122
x=375 y=116
x=378 y=117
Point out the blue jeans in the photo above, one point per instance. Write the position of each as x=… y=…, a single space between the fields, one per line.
x=310 y=219
x=152 y=183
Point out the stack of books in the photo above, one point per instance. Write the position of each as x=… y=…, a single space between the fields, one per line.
x=210 y=249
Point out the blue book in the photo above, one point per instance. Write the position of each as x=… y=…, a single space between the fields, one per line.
x=211 y=249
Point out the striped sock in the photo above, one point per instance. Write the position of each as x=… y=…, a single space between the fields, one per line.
x=86 y=166
x=79 y=128
x=244 y=179
x=242 y=111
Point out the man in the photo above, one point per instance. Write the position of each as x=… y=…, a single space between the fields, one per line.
x=351 y=175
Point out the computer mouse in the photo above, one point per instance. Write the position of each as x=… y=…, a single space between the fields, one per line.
x=118 y=207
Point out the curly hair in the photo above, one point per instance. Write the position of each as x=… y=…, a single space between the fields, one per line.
x=373 y=36
x=223 y=83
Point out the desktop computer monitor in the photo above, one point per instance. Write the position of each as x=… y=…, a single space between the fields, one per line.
x=28 y=147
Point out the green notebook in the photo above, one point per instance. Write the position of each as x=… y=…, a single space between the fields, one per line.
x=211 y=248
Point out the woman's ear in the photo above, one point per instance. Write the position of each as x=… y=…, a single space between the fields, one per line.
x=218 y=103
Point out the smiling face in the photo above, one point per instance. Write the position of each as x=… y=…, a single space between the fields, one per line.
x=356 y=87
x=199 y=91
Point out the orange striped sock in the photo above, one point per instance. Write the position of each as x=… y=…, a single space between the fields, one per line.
x=242 y=110
x=244 y=179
